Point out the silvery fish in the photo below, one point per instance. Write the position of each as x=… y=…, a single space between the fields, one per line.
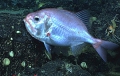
x=60 y=27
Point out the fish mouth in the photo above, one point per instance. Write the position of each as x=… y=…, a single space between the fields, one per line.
x=30 y=26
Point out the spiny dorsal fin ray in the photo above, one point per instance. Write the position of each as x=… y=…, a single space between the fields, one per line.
x=84 y=16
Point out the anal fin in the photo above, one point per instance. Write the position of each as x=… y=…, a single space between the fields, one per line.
x=77 y=49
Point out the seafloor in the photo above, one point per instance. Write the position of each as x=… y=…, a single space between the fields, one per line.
x=22 y=55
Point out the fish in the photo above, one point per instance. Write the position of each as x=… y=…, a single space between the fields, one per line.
x=59 y=27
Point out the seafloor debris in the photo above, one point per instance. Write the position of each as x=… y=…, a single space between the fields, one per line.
x=112 y=28
x=6 y=61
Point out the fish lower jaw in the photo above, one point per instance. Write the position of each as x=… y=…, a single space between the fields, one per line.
x=31 y=31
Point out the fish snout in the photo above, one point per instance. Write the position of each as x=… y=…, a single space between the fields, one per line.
x=28 y=17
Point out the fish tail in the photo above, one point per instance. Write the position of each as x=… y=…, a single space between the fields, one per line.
x=101 y=45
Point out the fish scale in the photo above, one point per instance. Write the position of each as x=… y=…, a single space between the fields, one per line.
x=64 y=35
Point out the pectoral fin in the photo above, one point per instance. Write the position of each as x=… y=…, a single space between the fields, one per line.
x=48 y=48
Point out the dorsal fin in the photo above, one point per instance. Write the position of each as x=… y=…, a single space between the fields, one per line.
x=84 y=16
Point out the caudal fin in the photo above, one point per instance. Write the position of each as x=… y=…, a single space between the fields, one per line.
x=101 y=45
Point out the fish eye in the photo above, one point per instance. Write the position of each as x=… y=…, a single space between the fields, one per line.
x=36 y=18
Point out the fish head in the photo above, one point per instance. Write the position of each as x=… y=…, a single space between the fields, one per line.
x=35 y=24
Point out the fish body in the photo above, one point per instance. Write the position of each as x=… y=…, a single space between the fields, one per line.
x=63 y=28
